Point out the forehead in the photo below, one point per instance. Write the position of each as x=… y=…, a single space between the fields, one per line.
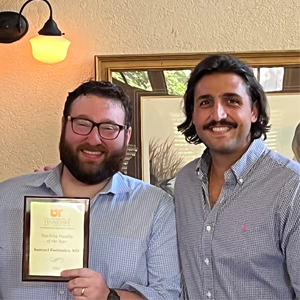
x=219 y=83
x=98 y=108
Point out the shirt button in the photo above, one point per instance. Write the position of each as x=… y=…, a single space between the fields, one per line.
x=206 y=261
x=241 y=180
x=208 y=228
x=61 y=292
x=208 y=294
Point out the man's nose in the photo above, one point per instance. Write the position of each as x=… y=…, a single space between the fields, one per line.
x=219 y=112
x=94 y=137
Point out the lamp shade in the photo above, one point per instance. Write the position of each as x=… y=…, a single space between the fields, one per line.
x=49 y=49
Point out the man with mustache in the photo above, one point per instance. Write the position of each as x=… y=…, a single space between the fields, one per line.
x=238 y=205
x=133 y=246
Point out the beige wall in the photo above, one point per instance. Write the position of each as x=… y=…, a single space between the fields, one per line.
x=32 y=94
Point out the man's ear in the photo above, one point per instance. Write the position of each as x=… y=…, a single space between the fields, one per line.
x=254 y=114
x=63 y=123
x=128 y=135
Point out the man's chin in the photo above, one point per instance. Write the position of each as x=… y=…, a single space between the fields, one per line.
x=222 y=149
x=90 y=169
x=95 y=173
x=90 y=163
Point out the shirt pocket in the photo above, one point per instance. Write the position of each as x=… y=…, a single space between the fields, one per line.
x=253 y=237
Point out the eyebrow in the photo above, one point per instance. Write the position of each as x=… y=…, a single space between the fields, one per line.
x=210 y=97
x=82 y=117
x=206 y=96
x=232 y=95
x=89 y=119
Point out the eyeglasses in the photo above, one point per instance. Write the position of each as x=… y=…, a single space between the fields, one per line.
x=107 y=131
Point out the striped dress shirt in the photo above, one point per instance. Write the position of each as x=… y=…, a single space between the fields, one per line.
x=247 y=247
x=132 y=238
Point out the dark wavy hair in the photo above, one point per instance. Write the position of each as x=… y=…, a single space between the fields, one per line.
x=225 y=64
x=103 y=89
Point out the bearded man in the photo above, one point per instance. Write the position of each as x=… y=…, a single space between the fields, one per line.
x=133 y=247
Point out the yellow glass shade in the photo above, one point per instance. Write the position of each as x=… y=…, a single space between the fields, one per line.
x=49 y=49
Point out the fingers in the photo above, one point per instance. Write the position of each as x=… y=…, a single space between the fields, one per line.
x=83 y=272
x=78 y=283
x=86 y=284
x=47 y=168
x=79 y=293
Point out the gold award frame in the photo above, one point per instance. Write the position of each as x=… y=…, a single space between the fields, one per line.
x=55 y=237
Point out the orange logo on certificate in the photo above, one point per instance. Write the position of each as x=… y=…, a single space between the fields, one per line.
x=56 y=212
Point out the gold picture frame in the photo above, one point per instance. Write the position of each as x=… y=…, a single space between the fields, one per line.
x=156 y=63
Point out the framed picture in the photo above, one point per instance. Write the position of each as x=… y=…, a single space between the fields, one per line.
x=284 y=118
x=165 y=151
x=164 y=77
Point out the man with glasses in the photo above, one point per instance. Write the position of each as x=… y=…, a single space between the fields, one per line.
x=133 y=248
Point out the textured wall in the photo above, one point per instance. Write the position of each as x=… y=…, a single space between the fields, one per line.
x=32 y=94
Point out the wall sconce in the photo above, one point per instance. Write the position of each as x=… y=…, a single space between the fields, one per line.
x=49 y=46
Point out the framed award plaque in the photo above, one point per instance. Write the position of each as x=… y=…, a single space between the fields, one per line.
x=55 y=237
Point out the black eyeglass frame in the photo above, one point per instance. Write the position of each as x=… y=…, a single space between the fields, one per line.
x=121 y=127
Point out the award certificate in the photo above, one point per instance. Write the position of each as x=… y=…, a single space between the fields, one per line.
x=55 y=237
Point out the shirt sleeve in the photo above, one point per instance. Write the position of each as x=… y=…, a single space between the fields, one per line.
x=162 y=257
x=290 y=231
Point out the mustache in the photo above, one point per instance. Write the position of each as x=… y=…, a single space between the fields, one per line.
x=88 y=147
x=222 y=122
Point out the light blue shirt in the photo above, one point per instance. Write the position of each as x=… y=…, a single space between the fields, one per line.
x=248 y=246
x=132 y=238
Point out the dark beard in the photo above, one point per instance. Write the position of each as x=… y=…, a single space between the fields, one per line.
x=111 y=164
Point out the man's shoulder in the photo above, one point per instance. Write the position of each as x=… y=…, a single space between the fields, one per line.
x=141 y=186
x=23 y=180
x=282 y=163
x=189 y=168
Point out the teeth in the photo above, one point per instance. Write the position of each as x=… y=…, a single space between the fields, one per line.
x=92 y=153
x=220 y=128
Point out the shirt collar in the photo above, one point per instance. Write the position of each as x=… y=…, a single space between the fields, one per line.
x=203 y=165
x=244 y=165
x=240 y=169
x=51 y=180
x=116 y=185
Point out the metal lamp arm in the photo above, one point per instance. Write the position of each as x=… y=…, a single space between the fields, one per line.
x=23 y=6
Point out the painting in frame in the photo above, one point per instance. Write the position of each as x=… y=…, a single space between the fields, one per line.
x=165 y=151
x=156 y=66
